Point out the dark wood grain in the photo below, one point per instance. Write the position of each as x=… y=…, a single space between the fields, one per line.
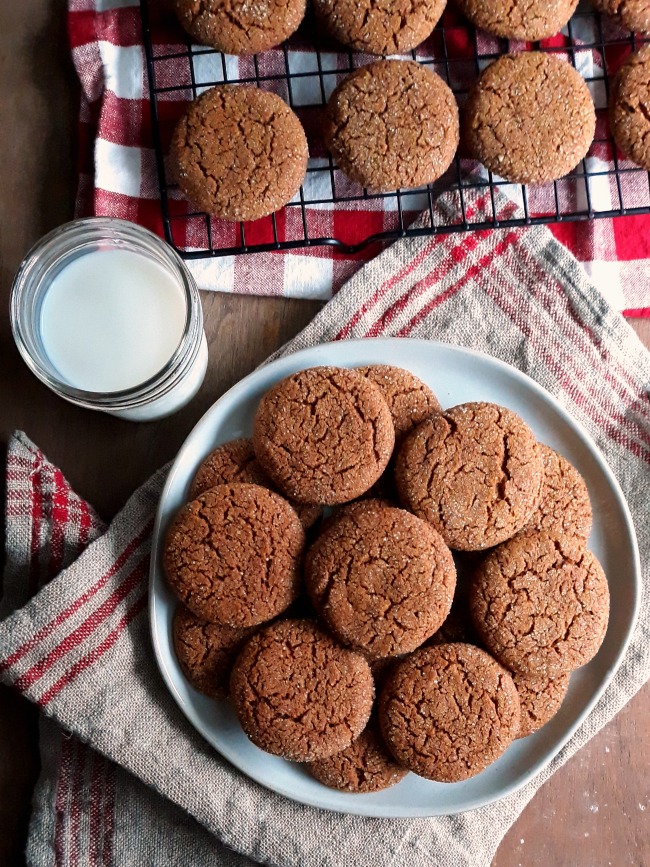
x=593 y=811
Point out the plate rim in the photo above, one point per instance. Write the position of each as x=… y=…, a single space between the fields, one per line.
x=412 y=812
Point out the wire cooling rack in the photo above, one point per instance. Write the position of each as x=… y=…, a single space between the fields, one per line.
x=332 y=210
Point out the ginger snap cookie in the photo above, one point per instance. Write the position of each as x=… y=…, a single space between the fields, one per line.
x=239 y=152
x=564 y=508
x=382 y=579
x=206 y=651
x=364 y=766
x=473 y=472
x=379 y=26
x=233 y=555
x=239 y=26
x=541 y=604
x=409 y=399
x=631 y=14
x=629 y=107
x=298 y=694
x=448 y=712
x=235 y=461
x=323 y=435
x=528 y=20
x=392 y=124
x=529 y=118
x=540 y=699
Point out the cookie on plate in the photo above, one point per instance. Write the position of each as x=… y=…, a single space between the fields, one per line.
x=235 y=461
x=298 y=694
x=631 y=14
x=448 y=712
x=540 y=699
x=528 y=20
x=382 y=579
x=541 y=604
x=233 y=555
x=564 y=507
x=392 y=124
x=629 y=107
x=473 y=472
x=409 y=399
x=364 y=766
x=323 y=435
x=239 y=152
x=379 y=26
x=529 y=118
x=206 y=651
x=238 y=26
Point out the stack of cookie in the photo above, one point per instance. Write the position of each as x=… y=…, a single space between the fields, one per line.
x=349 y=643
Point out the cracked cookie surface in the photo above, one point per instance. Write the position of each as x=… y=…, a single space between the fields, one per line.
x=364 y=766
x=540 y=699
x=528 y=20
x=392 y=124
x=380 y=26
x=382 y=579
x=235 y=461
x=409 y=399
x=529 y=118
x=298 y=694
x=629 y=107
x=473 y=472
x=323 y=435
x=206 y=651
x=239 y=152
x=564 y=508
x=233 y=555
x=631 y=14
x=448 y=712
x=240 y=26
x=541 y=604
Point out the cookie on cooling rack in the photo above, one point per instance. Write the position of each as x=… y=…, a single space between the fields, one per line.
x=629 y=108
x=631 y=14
x=239 y=152
x=528 y=20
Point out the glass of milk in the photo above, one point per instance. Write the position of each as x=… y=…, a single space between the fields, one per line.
x=107 y=316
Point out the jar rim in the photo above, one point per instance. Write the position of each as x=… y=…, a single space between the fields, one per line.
x=56 y=244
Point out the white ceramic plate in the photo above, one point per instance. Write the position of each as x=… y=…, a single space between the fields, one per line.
x=456 y=375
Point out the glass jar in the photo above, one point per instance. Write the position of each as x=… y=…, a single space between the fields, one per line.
x=175 y=384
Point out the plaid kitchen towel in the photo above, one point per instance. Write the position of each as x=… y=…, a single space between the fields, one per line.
x=81 y=650
x=118 y=176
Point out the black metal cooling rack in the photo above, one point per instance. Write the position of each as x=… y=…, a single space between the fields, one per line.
x=305 y=70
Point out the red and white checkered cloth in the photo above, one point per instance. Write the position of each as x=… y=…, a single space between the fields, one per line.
x=118 y=177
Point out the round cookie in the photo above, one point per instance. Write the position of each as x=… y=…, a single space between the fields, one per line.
x=541 y=604
x=238 y=26
x=323 y=435
x=564 y=508
x=629 y=107
x=528 y=20
x=382 y=579
x=239 y=152
x=235 y=461
x=206 y=651
x=380 y=26
x=448 y=712
x=364 y=766
x=631 y=14
x=409 y=399
x=392 y=124
x=473 y=472
x=298 y=694
x=233 y=555
x=540 y=699
x=529 y=118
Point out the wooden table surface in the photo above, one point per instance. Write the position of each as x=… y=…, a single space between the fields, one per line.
x=595 y=811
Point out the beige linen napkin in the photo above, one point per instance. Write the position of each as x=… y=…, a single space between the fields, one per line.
x=80 y=648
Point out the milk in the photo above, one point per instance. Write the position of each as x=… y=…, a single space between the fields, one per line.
x=111 y=319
